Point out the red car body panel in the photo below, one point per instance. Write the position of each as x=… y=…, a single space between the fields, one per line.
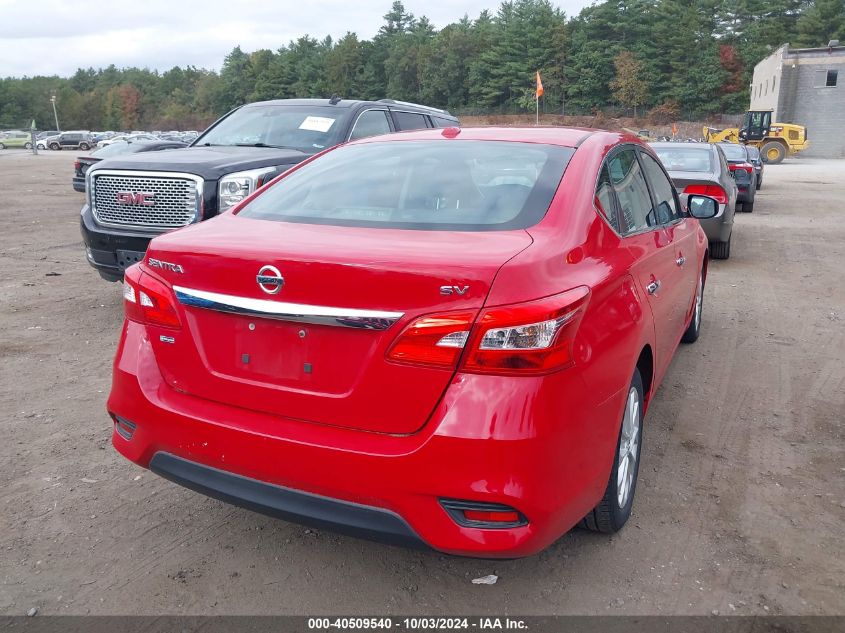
x=399 y=437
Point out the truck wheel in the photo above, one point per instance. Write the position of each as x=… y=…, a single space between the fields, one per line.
x=84 y=147
x=773 y=152
x=54 y=146
x=614 y=509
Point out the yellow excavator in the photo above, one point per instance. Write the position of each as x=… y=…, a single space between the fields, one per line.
x=775 y=141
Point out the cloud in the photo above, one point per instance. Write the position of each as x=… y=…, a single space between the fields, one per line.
x=160 y=34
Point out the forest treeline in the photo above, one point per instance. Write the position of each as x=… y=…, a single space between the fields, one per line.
x=687 y=58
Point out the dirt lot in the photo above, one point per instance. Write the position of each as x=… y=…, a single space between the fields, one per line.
x=739 y=510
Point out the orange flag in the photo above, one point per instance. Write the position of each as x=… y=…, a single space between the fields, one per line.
x=539 y=85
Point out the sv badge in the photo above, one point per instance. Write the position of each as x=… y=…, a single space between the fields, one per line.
x=453 y=290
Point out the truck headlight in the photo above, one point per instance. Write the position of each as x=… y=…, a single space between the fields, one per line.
x=237 y=186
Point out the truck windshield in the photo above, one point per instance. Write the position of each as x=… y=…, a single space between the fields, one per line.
x=428 y=185
x=309 y=129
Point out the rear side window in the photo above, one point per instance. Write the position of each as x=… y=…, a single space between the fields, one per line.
x=441 y=122
x=409 y=120
x=604 y=201
x=662 y=191
x=429 y=185
x=370 y=123
x=632 y=192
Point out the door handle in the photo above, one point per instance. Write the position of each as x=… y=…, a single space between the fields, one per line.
x=653 y=287
x=681 y=260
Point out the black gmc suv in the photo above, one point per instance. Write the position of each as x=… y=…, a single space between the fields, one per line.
x=131 y=199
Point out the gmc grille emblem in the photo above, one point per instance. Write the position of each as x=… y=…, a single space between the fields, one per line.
x=140 y=198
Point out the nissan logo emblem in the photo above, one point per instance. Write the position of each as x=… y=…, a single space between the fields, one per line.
x=270 y=280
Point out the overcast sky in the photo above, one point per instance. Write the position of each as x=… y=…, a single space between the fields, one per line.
x=47 y=37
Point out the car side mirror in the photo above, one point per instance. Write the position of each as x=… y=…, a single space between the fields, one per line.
x=702 y=207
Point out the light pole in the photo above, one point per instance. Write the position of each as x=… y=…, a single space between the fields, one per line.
x=55 y=114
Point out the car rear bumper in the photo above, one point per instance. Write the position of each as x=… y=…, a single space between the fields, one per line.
x=109 y=250
x=293 y=505
x=79 y=184
x=550 y=465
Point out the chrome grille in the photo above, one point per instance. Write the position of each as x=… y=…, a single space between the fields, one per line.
x=175 y=199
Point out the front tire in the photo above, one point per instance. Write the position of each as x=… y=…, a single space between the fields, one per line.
x=614 y=509
x=773 y=152
x=84 y=147
x=2 y=146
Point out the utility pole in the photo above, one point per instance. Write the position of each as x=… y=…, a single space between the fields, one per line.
x=55 y=114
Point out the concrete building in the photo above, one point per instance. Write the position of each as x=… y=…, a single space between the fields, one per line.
x=806 y=86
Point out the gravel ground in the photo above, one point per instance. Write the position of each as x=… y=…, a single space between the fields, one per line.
x=739 y=510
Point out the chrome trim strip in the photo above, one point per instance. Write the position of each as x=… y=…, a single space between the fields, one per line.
x=296 y=312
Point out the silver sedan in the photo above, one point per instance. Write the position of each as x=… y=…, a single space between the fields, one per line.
x=702 y=168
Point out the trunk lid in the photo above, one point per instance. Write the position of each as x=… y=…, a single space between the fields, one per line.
x=326 y=363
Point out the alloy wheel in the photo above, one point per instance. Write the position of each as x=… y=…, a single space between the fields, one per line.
x=628 y=448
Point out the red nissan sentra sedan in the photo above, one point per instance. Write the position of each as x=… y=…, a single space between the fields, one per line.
x=445 y=338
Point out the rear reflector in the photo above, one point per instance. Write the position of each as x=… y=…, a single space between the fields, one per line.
x=491 y=516
x=478 y=514
x=123 y=427
x=714 y=191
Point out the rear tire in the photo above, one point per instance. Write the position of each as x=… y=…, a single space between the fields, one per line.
x=748 y=207
x=694 y=330
x=2 y=146
x=27 y=146
x=720 y=250
x=773 y=152
x=54 y=146
x=614 y=509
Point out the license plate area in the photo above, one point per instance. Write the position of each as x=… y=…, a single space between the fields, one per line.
x=126 y=258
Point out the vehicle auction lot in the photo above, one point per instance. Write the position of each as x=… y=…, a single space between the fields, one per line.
x=740 y=503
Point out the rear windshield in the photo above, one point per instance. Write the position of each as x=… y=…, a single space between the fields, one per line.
x=429 y=185
x=306 y=128
x=733 y=151
x=686 y=158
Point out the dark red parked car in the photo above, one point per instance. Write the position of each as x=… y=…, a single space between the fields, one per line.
x=445 y=338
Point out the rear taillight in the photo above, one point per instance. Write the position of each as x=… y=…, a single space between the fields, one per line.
x=77 y=165
x=527 y=338
x=524 y=338
x=748 y=167
x=714 y=191
x=436 y=340
x=147 y=300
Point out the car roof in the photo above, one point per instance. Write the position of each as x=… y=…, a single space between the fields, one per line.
x=562 y=136
x=349 y=103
